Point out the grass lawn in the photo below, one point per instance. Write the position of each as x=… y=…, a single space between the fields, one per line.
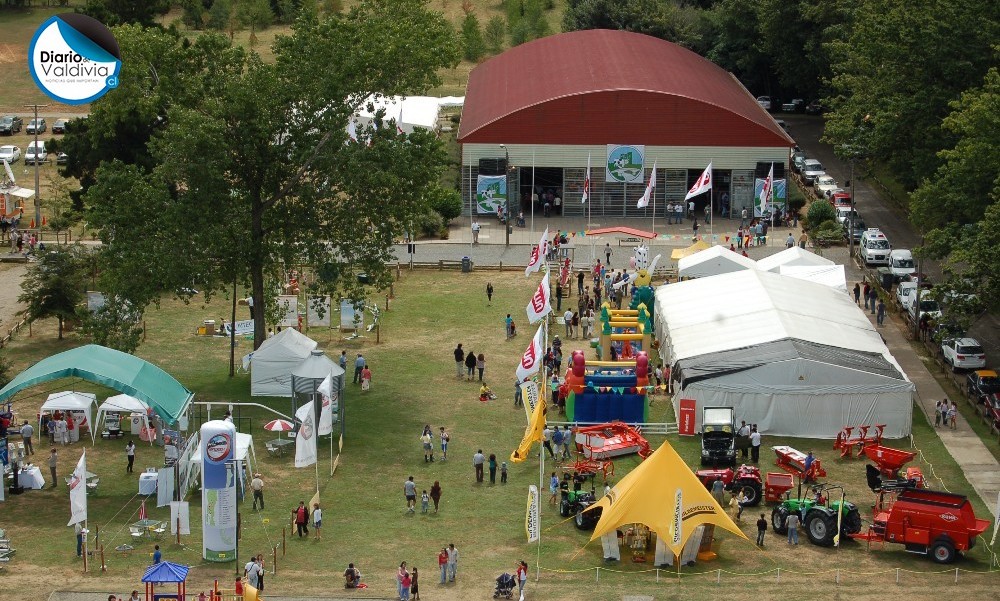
x=414 y=384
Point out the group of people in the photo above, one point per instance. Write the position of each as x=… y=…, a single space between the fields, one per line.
x=301 y=515
x=410 y=494
x=750 y=441
x=946 y=414
x=559 y=443
x=872 y=300
x=59 y=426
x=362 y=373
x=466 y=365
x=480 y=462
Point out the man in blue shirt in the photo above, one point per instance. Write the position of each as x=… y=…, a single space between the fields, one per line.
x=557 y=442
x=157 y=556
x=359 y=364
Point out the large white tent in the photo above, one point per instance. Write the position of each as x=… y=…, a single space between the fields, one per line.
x=410 y=112
x=126 y=405
x=795 y=357
x=793 y=256
x=832 y=276
x=82 y=402
x=272 y=363
x=713 y=261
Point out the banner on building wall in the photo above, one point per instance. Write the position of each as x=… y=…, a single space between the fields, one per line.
x=491 y=193
x=625 y=164
x=777 y=199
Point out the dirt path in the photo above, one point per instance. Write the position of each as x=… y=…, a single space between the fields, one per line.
x=11 y=275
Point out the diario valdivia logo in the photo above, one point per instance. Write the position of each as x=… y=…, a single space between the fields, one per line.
x=625 y=163
x=74 y=59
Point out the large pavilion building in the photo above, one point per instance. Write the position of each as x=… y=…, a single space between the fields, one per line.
x=626 y=101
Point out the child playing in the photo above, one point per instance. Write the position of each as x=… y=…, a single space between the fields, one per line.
x=425 y=500
x=414 y=589
x=503 y=472
x=366 y=379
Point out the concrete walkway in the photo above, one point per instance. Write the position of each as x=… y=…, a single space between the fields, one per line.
x=103 y=596
x=980 y=467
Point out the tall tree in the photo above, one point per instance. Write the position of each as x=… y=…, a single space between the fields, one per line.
x=897 y=70
x=54 y=286
x=651 y=17
x=122 y=12
x=473 y=46
x=245 y=182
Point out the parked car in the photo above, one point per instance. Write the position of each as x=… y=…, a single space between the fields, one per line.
x=781 y=123
x=811 y=169
x=61 y=158
x=11 y=154
x=963 y=353
x=36 y=126
x=59 y=127
x=845 y=214
x=798 y=162
x=901 y=263
x=982 y=384
x=795 y=156
x=855 y=232
x=36 y=153
x=875 y=246
x=947 y=329
x=841 y=199
x=793 y=106
x=764 y=102
x=928 y=307
x=10 y=125
x=823 y=184
x=829 y=192
x=815 y=108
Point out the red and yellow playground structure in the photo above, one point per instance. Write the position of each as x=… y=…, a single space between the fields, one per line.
x=628 y=330
x=605 y=391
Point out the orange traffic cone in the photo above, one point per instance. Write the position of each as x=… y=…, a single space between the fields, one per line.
x=32 y=224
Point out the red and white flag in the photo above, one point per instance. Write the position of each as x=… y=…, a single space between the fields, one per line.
x=650 y=187
x=540 y=304
x=531 y=360
x=538 y=254
x=767 y=191
x=399 y=119
x=586 y=183
x=704 y=183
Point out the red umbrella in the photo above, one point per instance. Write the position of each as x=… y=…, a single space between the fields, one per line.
x=279 y=425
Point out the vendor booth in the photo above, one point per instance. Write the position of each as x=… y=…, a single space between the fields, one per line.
x=244 y=454
x=79 y=404
x=119 y=412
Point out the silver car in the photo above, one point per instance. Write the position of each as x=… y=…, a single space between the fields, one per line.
x=11 y=154
x=811 y=169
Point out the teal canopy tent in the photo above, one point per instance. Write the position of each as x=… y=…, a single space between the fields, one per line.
x=114 y=369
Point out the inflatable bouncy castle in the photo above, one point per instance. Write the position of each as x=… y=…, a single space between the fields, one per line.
x=603 y=391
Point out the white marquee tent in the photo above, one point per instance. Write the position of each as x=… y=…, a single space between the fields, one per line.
x=70 y=401
x=712 y=261
x=126 y=405
x=795 y=357
x=828 y=275
x=413 y=112
x=793 y=256
x=271 y=365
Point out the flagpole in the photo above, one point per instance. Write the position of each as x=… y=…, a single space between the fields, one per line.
x=541 y=448
x=531 y=196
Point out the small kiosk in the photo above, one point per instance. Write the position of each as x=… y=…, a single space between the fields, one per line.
x=166 y=572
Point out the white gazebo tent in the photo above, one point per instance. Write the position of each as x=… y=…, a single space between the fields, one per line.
x=70 y=401
x=243 y=453
x=795 y=357
x=792 y=257
x=832 y=276
x=126 y=404
x=713 y=261
x=272 y=364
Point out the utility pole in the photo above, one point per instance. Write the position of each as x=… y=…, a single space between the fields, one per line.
x=38 y=201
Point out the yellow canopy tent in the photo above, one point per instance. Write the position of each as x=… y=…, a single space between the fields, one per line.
x=680 y=253
x=665 y=495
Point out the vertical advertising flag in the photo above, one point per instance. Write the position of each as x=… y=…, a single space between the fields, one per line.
x=491 y=193
x=586 y=183
x=531 y=360
x=326 y=392
x=767 y=191
x=540 y=304
x=532 y=434
x=529 y=392
x=531 y=524
x=78 y=492
x=702 y=185
x=650 y=188
x=305 y=439
x=538 y=254
x=218 y=491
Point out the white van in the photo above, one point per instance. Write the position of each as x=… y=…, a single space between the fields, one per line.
x=901 y=263
x=35 y=153
x=875 y=247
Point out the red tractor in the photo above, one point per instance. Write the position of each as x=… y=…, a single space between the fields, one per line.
x=745 y=478
x=930 y=522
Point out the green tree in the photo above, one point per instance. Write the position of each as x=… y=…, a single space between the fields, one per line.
x=244 y=182
x=494 y=34
x=896 y=71
x=255 y=14
x=54 y=286
x=472 y=38
x=736 y=44
x=651 y=17
x=121 y=12
x=220 y=15
x=445 y=201
x=820 y=212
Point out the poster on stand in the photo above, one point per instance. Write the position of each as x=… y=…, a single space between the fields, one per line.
x=289 y=306
x=318 y=311
x=218 y=491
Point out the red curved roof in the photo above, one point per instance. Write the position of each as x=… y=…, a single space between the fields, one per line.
x=604 y=87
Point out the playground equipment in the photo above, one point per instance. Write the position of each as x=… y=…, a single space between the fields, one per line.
x=605 y=391
x=629 y=330
x=166 y=572
x=850 y=437
x=613 y=439
x=794 y=462
x=642 y=279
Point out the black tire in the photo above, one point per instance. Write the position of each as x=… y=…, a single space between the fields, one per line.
x=851 y=522
x=565 y=508
x=778 y=516
x=586 y=520
x=821 y=528
x=942 y=551
x=752 y=491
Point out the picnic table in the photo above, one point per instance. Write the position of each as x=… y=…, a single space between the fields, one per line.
x=147 y=527
x=278 y=446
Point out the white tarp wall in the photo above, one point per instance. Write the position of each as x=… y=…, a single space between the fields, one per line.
x=712 y=261
x=413 y=112
x=271 y=365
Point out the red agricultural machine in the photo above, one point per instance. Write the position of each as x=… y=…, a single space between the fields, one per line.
x=856 y=437
x=745 y=478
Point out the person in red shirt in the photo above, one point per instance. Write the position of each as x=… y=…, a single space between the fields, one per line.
x=301 y=519
x=522 y=577
x=443 y=563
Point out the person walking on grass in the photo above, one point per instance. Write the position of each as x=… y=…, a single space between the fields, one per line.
x=452 y=562
x=436 y=495
x=257 y=486
x=301 y=515
x=401 y=575
x=553 y=489
x=761 y=529
x=470 y=365
x=414 y=586
x=489 y=293
x=27 y=431
x=444 y=437
x=493 y=469
x=459 y=360
x=410 y=492
x=53 y=461
x=792 y=523
x=427 y=441
x=318 y=521
x=359 y=365
x=443 y=564
x=481 y=365
x=130 y=455
x=477 y=462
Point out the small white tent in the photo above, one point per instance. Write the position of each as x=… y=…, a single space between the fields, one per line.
x=793 y=256
x=832 y=276
x=244 y=452
x=713 y=261
x=410 y=112
x=271 y=365
x=126 y=405
x=82 y=402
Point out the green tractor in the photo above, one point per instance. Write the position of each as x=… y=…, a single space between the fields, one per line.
x=819 y=515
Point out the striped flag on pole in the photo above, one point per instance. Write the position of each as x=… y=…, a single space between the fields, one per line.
x=586 y=182
x=650 y=187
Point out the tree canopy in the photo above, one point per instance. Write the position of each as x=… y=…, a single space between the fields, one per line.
x=251 y=172
x=54 y=285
